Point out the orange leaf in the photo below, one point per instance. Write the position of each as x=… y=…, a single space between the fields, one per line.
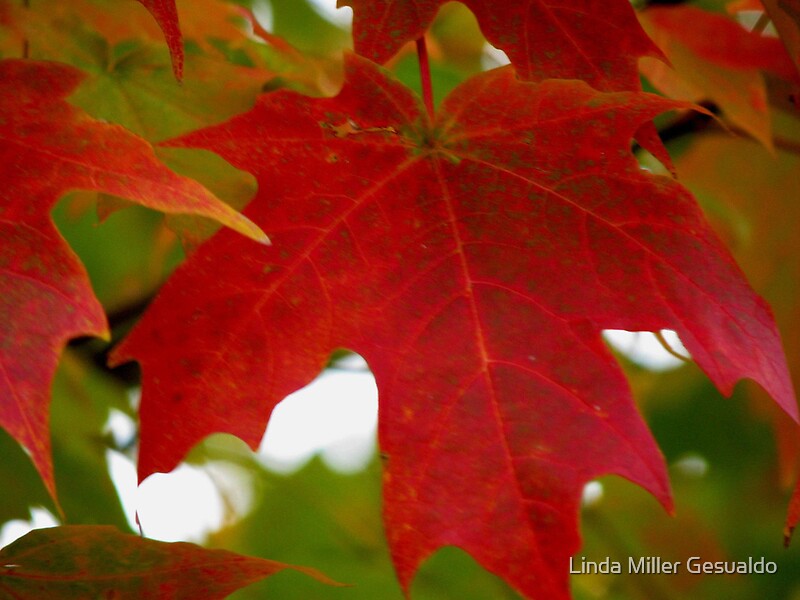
x=715 y=59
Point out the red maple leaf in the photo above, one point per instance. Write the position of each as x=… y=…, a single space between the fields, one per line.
x=736 y=48
x=48 y=147
x=597 y=41
x=473 y=261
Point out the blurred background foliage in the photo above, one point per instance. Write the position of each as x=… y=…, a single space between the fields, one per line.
x=731 y=460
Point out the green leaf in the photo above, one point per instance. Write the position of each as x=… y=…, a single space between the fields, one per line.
x=334 y=522
x=90 y=562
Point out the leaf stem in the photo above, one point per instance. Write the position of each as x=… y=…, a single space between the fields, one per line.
x=761 y=24
x=26 y=50
x=425 y=75
x=665 y=344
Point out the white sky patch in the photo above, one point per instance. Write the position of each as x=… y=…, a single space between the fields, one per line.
x=13 y=530
x=121 y=427
x=644 y=348
x=343 y=17
x=749 y=18
x=262 y=11
x=123 y=474
x=493 y=57
x=592 y=494
x=335 y=415
x=184 y=505
x=692 y=465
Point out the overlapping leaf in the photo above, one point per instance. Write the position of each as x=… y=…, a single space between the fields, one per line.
x=333 y=521
x=100 y=562
x=715 y=59
x=82 y=397
x=785 y=14
x=758 y=191
x=128 y=79
x=48 y=147
x=473 y=262
x=595 y=41
x=166 y=15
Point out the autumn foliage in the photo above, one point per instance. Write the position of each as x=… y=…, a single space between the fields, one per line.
x=472 y=242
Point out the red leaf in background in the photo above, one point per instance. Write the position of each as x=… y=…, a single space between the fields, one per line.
x=785 y=15
x=86 y=561
x=473 y=262
x=730 y=46
x=166 y=15
x=48 y=147
x=715 y=58
x=597 y=41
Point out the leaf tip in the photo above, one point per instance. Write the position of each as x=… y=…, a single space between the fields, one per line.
x=238 y=222
x=319 y=576
x=254 y=232
x=264 y=239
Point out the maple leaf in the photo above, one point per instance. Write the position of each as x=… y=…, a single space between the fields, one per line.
x=48 y=148
x=128 y=80
x=725 y=67
x=52 y=25
x=596 y=41
x=87 y=561
x=599 y=42
x=473 y=262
